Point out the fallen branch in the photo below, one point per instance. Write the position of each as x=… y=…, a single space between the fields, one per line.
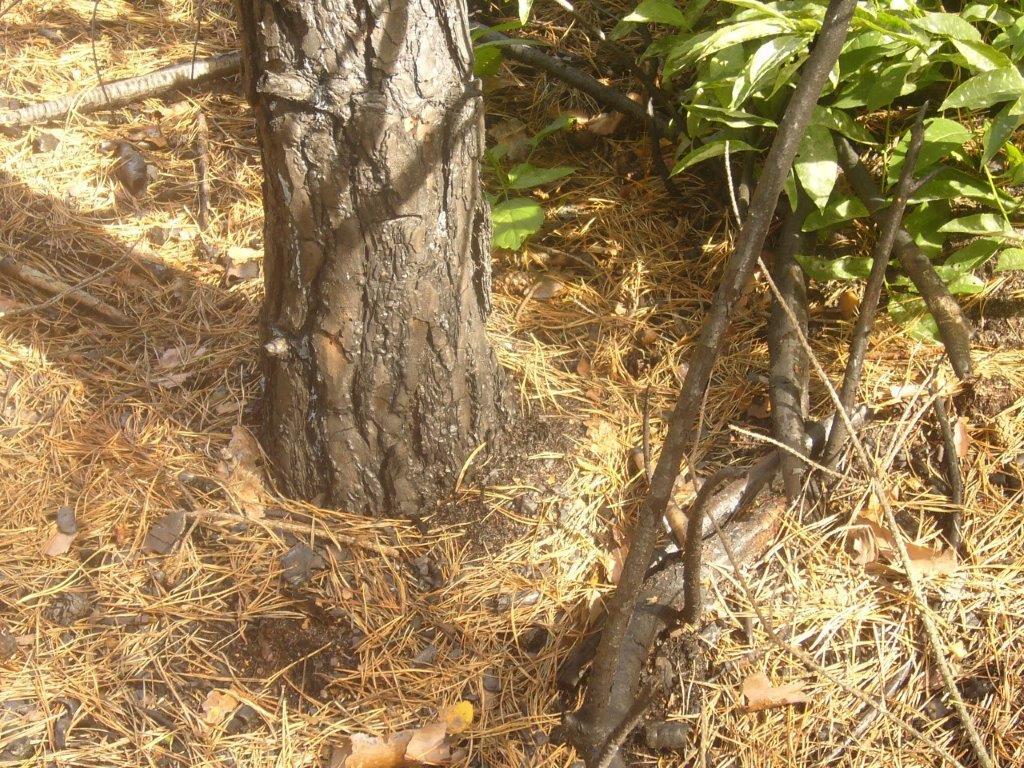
x=892 y=221
x=122 y=92
x=61 y=291
x=953 y=328
x=951 y=521
x=595 y=726
x=609 y=97
x=202 y=168
x=788 y=372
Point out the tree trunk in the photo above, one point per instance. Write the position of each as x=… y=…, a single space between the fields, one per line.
x=379 y=377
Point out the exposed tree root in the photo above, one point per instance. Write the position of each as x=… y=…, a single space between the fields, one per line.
x=953 y=327
x=121 y=92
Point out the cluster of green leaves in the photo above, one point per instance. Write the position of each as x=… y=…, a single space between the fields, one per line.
x=514 y=217
x=734 y=68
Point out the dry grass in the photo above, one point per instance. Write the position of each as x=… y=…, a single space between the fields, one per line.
x=86 y=422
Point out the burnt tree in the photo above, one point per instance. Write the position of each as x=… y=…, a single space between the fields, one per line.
x=379 y=377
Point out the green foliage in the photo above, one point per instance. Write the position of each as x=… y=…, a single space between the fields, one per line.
x=514 y=217
x=733 y=66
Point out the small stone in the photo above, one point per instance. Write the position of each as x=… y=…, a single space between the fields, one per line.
x=66 y=522
x=491 y=683
x=164 y=534
x=299 y=562
x=426 y=656
x=45 y=142
x=67 y=608
x=667 y=735
x=8 y=645
x=533 y=639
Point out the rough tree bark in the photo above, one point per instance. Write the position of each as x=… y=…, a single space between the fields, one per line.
x=379 y=377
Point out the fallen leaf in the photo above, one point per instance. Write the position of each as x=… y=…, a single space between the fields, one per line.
x=546 y=288
x=170 y=360
x=925 y=561
x=149 y=136
x=58 y=544
x=583 y=367
x=217 y=706
x=242 y=263
x=164 y=533
x=961 y=437
x=849 y=303
x=905 y=391
x=240 y=472
x=760 y=694
x=130 y=167
x=459 y=716
x=373 y=752
x=428 y=745
x=604 y=124
x=9 y=305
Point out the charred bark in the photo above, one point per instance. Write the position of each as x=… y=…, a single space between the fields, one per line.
x=379 y=377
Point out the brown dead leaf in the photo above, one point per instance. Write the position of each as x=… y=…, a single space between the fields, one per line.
x=170 y=361
x=546 y=288
x=364 y=751
x=961 y=437
x=871 y=544
x=905 y=391
x=849 y=303
x=583 y=367
x=760 y=694
x=9 y=305
x=58 y=544
x=428 y=745
x=242 y=263
x=217 y=706
x=240 y=471
x=604 y=124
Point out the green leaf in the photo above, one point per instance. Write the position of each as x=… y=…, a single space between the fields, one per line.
x=1010 y=259
x=703 y=45
x=843 y=209
x=993 y=14
x=560 y=123
x=982 y=57
x=709 y=151
x=525 y=6
x=526 y=176
x=486 y=60
x=952 y=183
x=658 y=12
x=912 y=313
x=840 y=122
x=947 y=25
x=966 y=284
x=941 y=138
x=981 y=224
x=734 y=118
x=1002 y=127
x=844 y=268
x=987 y=89
x=763 y=64
x=923 y=224
x=972 y=255
x=515 y=220
x=816 y=165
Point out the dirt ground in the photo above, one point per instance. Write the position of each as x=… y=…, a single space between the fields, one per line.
x=196 y=617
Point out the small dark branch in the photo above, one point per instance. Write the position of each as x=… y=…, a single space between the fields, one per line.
x=121 y=92
x=738 y=271
x=951 y=521
x=891 y=223
x=648 y=464
x=789 y=371
x=609 y=97
x=202 y=168
x=693 y=602
x=657 y=160
x=869 y=715
x=61 y=291
x=953 y=328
